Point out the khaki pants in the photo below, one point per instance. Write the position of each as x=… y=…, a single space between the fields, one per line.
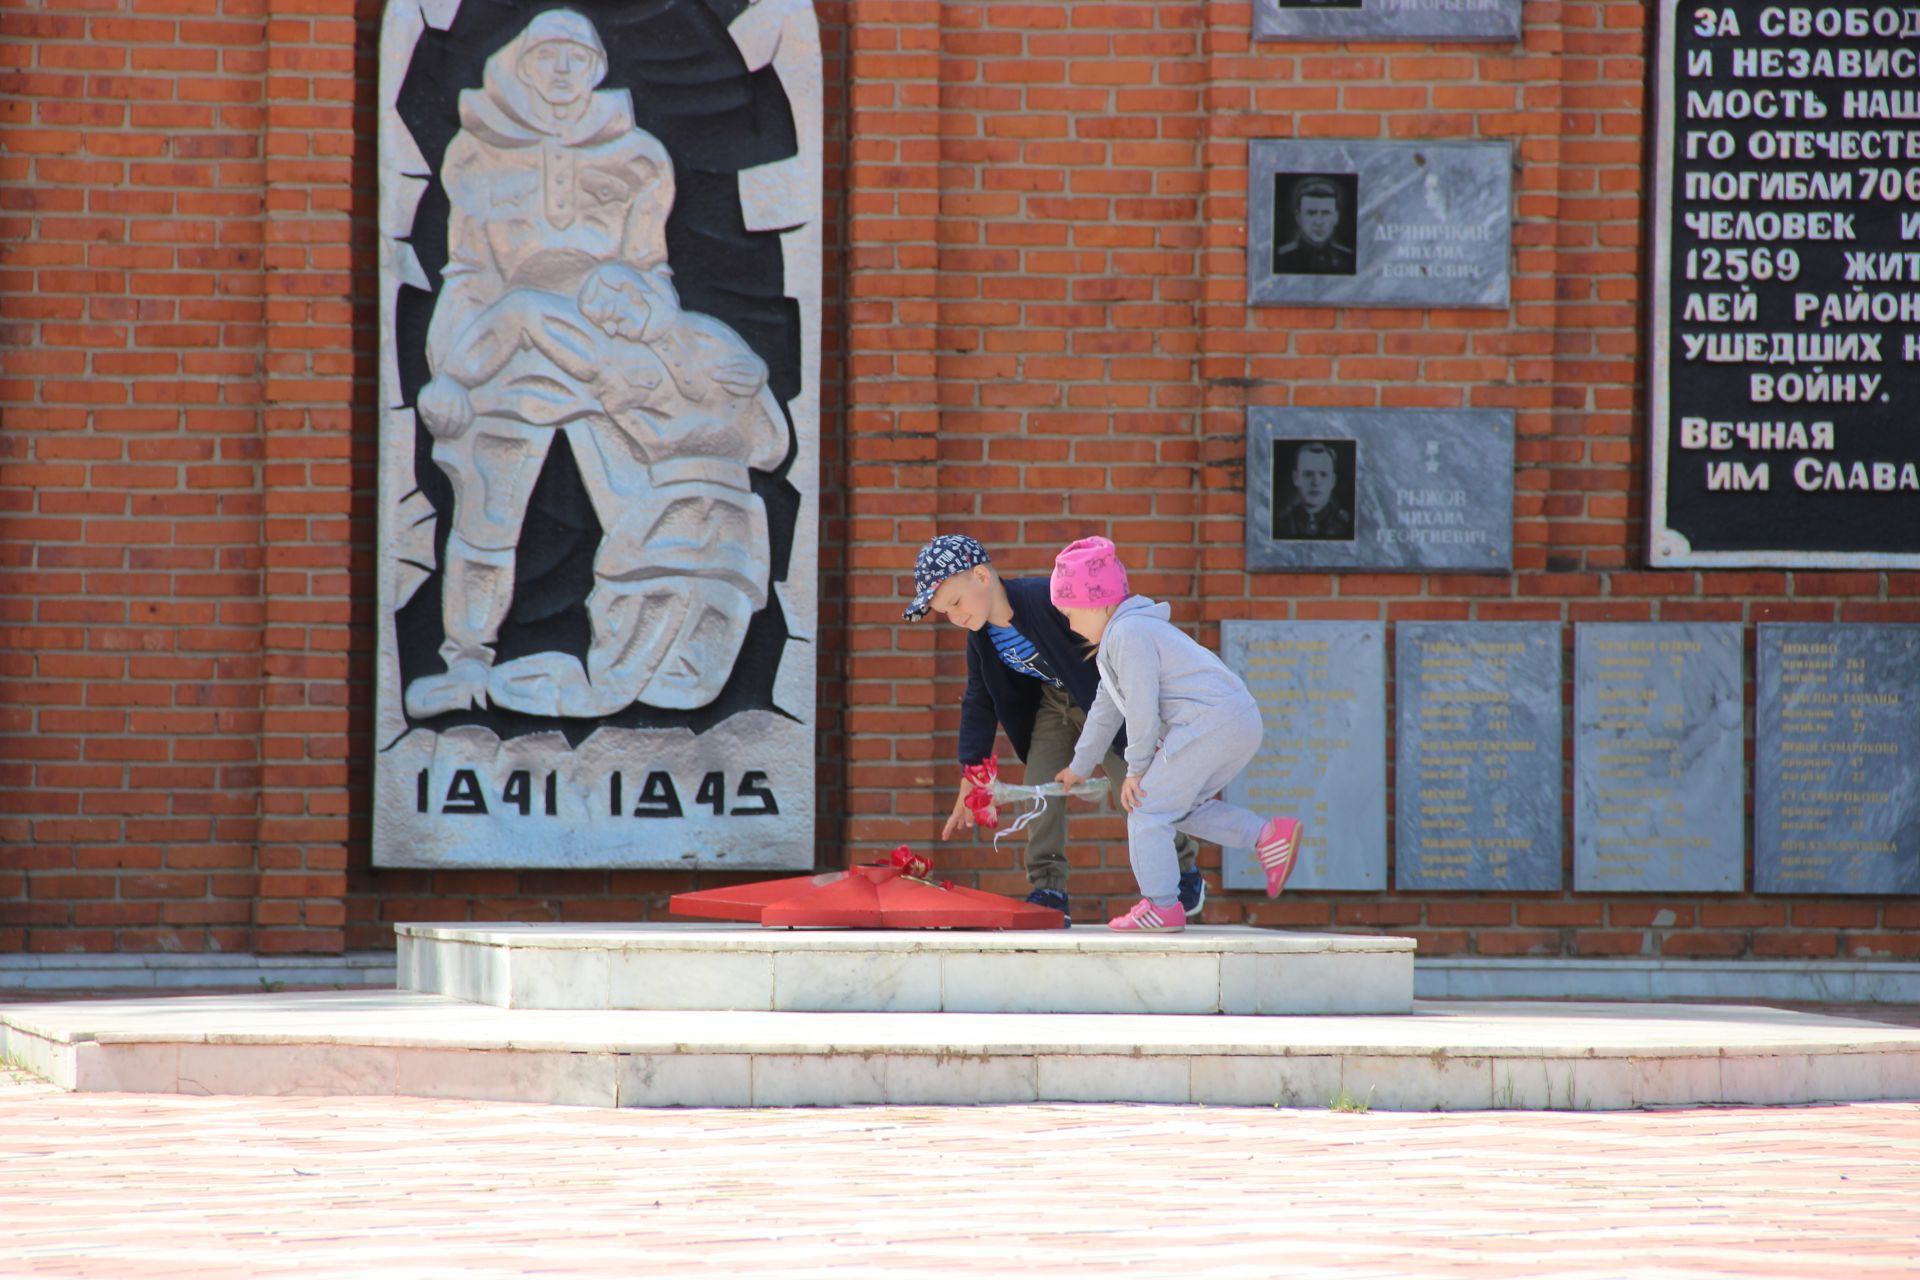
x=1055 y=731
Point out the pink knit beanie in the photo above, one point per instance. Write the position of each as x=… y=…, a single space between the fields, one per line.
x=1088 y=575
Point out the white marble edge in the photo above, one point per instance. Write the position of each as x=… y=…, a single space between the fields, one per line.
x=394 y=1020
x=725 y=937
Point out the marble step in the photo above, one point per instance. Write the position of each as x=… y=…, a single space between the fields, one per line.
x=1206 y=969
x=1451 y=1056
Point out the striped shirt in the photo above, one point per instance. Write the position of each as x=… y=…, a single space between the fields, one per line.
x=1018 y=652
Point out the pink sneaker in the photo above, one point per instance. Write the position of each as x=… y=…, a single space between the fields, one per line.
x=1278 y=844
x=1147 y=918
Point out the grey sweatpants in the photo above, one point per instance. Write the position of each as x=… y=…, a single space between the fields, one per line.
x=1055 y=730
x=1194 y=762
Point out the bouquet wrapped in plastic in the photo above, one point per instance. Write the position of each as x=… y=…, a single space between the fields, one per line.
x=987 y=794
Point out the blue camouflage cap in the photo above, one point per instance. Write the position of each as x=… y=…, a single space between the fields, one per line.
x=946 y=555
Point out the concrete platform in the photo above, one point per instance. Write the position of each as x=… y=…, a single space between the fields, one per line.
x=1442 y=1056
x=1206 y=969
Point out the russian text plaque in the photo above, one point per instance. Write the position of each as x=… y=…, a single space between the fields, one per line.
x=1659 y=758
x=1322 y=689
x=1356 y=224
x=1477 y=776
x=1836 y=743
x=1380 y=489
x=1372 y=20
x=600 y=234
x=1785 y=313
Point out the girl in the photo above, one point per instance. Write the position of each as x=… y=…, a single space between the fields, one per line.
x=1191 y=728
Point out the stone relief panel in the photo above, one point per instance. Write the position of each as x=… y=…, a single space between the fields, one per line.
x=600 y=348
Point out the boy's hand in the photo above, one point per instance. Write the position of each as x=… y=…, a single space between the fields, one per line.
x=961 y=818
x=1132 y=794
x=1068 y=778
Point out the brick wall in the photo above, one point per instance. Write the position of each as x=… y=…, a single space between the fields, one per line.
x=1035 y=330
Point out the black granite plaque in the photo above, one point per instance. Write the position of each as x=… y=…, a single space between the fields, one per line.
x=1379 y=223
x=1380 y=489
x=1322 y=689
x=1477 y=774
x=1785 y=317
x=1837 y=759
x=1373 y=20
x=1659 y=758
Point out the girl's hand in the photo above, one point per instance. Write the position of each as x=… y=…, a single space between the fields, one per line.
x=1132 y=794
x=1068 y=778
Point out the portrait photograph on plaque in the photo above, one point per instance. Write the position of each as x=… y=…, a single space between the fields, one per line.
x=599 y=437
x=1356 y=223
x=1313 y=223
x=1379 y=489
x=1313 y=482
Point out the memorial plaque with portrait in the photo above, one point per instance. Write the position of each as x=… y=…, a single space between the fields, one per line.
x=1379 y=489
x=1374 y=20
x=1477 y=773
x=599 y=312
x=1322 y=690
x=1659 y=758
x=1379 y=223
x=1836 y=791
x=1785 y=324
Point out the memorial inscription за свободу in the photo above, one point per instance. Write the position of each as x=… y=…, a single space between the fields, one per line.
x=1785 y=304
x=1322 y=690
x=600 y=322
x=1379 y=224
x=1836 y=794
x=1375 y=20
x=1380 y=489
x=1659 y=758
x=1477 y=772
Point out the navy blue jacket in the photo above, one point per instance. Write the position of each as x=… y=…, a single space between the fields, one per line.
x=997 y=695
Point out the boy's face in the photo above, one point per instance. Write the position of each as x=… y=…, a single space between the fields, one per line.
x=966 y=598
x=1088 y=624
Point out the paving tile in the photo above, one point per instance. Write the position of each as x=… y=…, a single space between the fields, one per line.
x=155 y=1186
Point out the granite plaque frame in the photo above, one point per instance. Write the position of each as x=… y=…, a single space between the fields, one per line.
x=1374 y=20
x=1380 y=489
x=1781 y=396
x=1477 y=750
x=1836 y=791
x=600 y=238
x=1659 y=758
x=1370 y=224
x=1322 y=689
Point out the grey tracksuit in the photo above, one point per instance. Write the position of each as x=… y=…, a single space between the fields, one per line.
x=1191 y=728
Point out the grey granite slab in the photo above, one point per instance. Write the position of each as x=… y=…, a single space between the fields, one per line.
x=1322 y=689
x=1659 y=758
x=1418 y=223
x=1836 y=758
x=1477 y=773
x=1411 y=489
x=1371 y=20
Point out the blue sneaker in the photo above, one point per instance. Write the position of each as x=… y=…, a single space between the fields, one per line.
x=1055 y=898
x=1193 y=893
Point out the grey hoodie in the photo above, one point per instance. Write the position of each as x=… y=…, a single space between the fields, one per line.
x=1153 y=676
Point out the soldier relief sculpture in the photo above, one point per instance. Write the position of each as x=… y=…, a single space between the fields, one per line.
x=599 y=457
x=558 y=314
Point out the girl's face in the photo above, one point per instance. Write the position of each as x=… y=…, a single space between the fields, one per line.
x=1089 y=624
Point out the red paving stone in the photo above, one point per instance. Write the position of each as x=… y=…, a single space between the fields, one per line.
x=124 y=1185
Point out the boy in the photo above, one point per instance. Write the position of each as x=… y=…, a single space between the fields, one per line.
x=1029 y=674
